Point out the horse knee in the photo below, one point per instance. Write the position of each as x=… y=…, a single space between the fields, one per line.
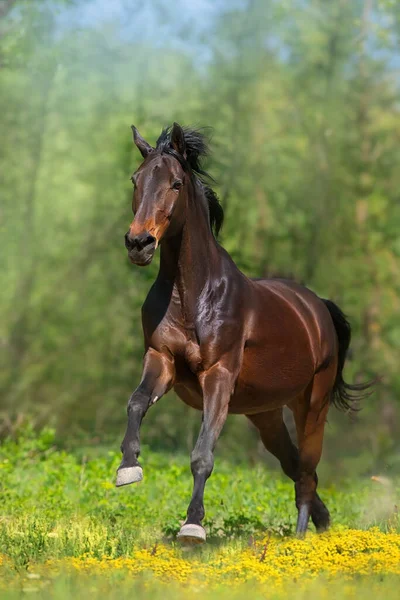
x=138 y=402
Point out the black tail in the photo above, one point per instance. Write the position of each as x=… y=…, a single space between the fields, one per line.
x=343 y=394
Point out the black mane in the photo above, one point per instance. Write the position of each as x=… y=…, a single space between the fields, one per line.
x=196 y=149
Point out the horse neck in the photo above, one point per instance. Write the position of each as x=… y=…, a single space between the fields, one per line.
x=190 y=259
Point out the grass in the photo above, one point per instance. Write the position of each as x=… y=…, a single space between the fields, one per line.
x=65 y=531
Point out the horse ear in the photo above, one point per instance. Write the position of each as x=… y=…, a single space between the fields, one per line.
x=178 y=140
x=141 y=143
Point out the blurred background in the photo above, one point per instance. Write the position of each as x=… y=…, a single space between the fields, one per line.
x=303 y=101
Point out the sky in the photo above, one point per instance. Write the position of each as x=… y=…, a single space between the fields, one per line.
x=179 y=24
x=154 y=18
x=159 y=22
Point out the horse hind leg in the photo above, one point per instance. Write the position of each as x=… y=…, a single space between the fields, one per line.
x=276 y=439
x=310 y=413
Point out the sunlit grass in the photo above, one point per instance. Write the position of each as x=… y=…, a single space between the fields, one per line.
x=65 y=527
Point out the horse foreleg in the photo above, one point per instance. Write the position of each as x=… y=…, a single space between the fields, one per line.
x=217 y=388
x=157 y=379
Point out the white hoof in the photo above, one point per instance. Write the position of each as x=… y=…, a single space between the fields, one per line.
x=128 y=475
x=192 y=534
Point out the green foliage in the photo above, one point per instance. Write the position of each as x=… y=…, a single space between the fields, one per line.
x=57 y=503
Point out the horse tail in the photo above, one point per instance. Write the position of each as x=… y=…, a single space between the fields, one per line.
x=344 y=395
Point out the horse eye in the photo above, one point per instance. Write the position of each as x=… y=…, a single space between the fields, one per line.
x=177 y=184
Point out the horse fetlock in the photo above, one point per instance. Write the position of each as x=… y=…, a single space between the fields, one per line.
x=320 y=515
x=305 y=489
x=196 y=512
x=131 y=451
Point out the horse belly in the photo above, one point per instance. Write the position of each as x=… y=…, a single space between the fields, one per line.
x=268 y=380
x=189 y=396
x=187 y=386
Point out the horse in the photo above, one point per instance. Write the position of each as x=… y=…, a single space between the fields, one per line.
x=224 y=342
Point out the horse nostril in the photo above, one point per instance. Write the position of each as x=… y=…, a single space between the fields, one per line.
x=129 y=242
x=144 y=239
x=139 y=242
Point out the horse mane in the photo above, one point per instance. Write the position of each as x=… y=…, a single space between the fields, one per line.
x=196 y=149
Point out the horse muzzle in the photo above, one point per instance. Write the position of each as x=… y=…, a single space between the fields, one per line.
x=140 y=248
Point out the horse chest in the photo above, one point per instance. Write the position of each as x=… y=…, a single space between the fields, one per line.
x=167 y=329
x=192 y=356
x=179 y=342
x=186 y=349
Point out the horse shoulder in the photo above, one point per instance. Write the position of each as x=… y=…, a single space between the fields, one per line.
x=162 y=319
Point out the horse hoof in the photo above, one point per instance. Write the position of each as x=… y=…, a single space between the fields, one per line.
x=191 y=534
x=128 y=475
x=302 y=521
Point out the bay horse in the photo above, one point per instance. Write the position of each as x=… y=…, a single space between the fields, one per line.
x=224 y=342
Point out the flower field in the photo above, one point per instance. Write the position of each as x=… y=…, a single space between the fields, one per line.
x=270 y=560
x=65 y=530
